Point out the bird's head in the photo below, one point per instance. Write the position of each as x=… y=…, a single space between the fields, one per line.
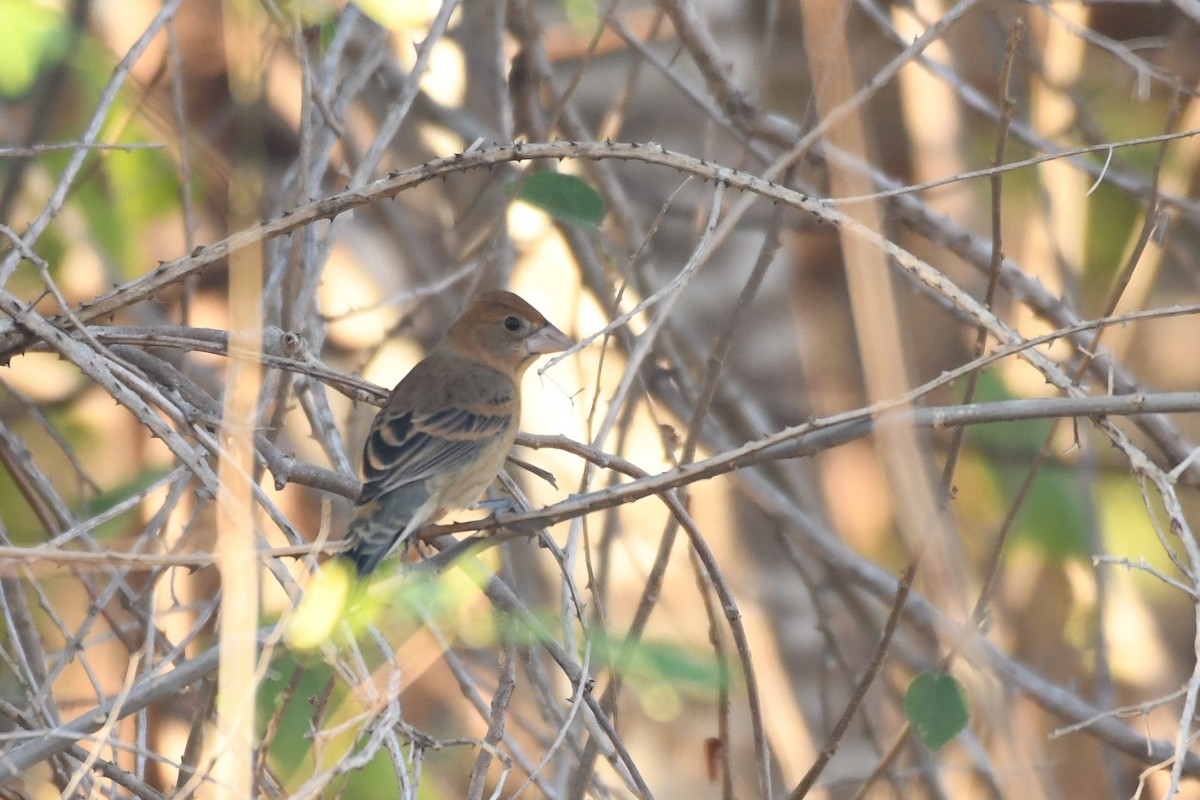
x=503 y=331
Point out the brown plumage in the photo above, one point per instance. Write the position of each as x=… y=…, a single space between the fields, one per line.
x=447 y=427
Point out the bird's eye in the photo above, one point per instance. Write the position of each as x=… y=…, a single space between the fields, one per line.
x=512 y=323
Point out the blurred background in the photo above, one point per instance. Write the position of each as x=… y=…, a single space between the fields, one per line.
x=692 y=643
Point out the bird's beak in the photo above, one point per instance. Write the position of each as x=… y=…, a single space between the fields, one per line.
x=547 y=339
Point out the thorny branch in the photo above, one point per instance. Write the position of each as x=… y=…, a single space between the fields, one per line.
x=537 y=719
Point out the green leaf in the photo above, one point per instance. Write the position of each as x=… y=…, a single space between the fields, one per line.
x=1055 y=519
x=132 y=190
x=337 y=595
x=35 y=34
x=291 y=744
x=327 y=29
x=936 y=708
x=670 y=663
x=564 y=197
x=319 y=709
x=582 y=14
x=311 y=12
x=106 y=500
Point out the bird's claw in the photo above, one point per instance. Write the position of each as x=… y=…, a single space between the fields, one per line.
x=500 y=504
x=500 y=507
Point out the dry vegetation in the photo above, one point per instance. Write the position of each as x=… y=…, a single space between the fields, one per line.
x=851 y=404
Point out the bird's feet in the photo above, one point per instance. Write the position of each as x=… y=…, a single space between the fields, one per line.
x=500 y=507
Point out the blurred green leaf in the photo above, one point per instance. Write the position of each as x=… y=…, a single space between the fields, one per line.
x=290 y=749
x=35 y=35
x=400 y=602
x=312 y=12
x=1054 y=516
x=1111 y=219
x=564 y=197
x=120 y=194
x=936 y=708
x=327 y=28
x=399 y=15
x=670 y=663
x=662 y=675
x=291 y=744
x=131 y=191
x=106 y=500
x=1023 y=437
x=582 y=14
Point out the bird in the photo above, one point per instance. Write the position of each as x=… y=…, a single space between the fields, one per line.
x=448 y=425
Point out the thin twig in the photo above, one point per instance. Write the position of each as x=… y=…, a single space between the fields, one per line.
x=860 y=689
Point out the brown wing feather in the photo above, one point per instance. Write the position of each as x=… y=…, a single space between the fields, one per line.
x=451 y=427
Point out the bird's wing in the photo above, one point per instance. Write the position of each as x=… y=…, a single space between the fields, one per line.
x=413 y=446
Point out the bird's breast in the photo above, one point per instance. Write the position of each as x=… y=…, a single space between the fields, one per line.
x=461 y=487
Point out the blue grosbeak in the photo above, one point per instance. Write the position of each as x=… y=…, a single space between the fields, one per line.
x=447 y=427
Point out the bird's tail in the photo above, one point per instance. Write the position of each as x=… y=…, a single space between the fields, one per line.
x=366 y=556
x=371 y=543
x=379 y=527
